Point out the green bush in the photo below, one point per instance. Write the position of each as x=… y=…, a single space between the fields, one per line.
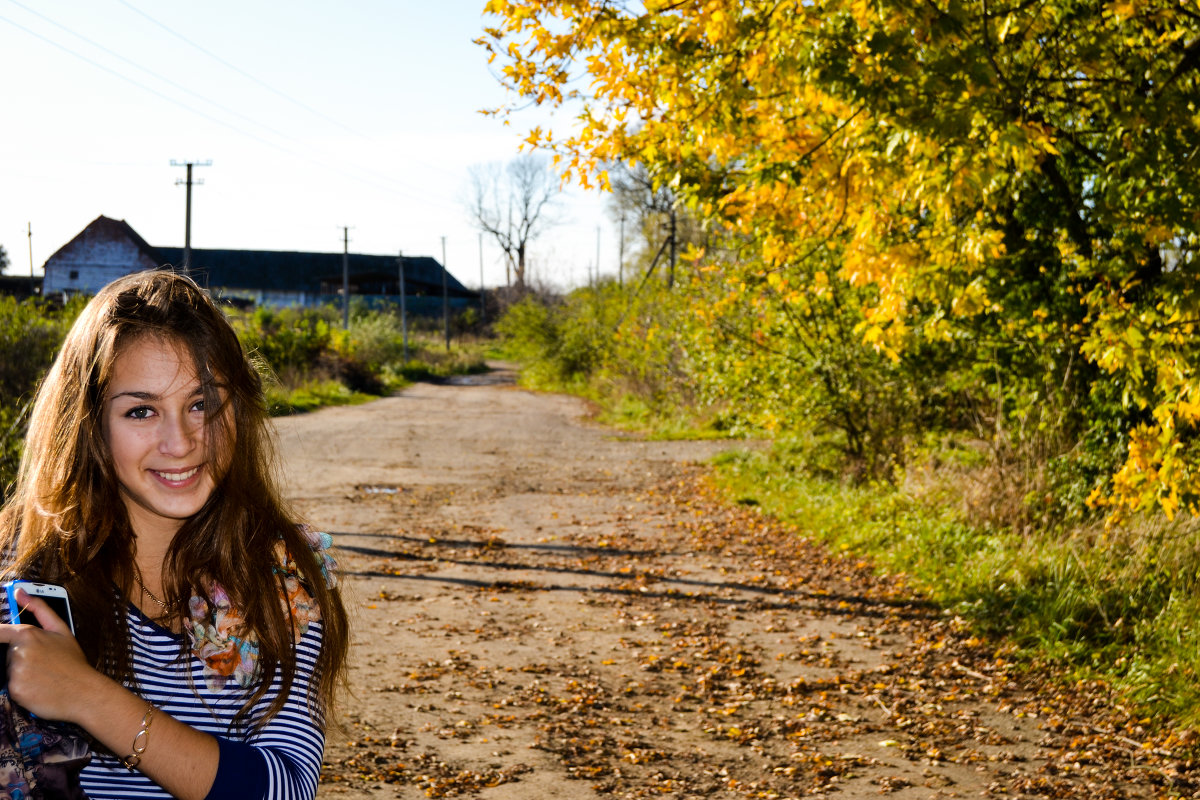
x=308 y=347
x=30 y=334
x=289 y=340
x=628 y=350
x=549 y=337
x=373 y=340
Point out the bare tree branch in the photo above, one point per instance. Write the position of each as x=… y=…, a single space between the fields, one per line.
x=513 y=205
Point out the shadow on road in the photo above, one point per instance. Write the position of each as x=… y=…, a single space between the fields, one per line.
x=702 y=591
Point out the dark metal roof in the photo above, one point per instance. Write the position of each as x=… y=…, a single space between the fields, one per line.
x=317 y=273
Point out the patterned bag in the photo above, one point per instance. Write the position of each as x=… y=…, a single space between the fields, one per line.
x=39 y=759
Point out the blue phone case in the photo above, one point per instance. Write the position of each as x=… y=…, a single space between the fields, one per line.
x=14 y=610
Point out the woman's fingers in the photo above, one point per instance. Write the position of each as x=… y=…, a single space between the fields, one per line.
x=45 y=666
x=42 y=612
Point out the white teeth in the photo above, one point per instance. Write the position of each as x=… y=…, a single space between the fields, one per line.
x=177 y=476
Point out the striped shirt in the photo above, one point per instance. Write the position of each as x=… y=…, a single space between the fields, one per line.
x=281 y=761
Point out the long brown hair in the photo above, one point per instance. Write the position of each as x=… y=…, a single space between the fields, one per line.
x=66 y=523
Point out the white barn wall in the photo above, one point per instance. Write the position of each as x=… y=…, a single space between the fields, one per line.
x=90 y=262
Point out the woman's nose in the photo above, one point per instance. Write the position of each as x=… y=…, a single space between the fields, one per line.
x=178 y=436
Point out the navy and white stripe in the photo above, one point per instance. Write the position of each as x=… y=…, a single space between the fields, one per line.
x=281 y=761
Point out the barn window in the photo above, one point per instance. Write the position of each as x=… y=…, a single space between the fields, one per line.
x=74 y=275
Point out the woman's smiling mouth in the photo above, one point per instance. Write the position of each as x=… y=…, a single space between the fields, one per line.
x=176 y=477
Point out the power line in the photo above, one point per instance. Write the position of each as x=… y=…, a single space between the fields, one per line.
x=242 y=72
x=253 y=78
x=154 y=73
x=411 y=193
x=140 y=85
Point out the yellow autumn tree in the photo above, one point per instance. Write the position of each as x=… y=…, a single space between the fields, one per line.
x=1018 y=177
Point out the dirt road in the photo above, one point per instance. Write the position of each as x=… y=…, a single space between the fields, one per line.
x=544 y=609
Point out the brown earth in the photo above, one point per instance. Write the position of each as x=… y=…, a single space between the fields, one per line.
x=545 y=608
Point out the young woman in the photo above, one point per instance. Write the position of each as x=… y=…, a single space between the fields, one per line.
x=209 y=633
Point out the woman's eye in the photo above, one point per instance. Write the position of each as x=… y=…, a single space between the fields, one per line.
x=141 y=412
x=198 y=405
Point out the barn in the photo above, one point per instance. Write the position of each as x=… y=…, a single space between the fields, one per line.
x=108 y=248
x=102 y=252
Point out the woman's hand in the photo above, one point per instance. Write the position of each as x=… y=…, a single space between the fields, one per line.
x=47 y=670
x=49 y=675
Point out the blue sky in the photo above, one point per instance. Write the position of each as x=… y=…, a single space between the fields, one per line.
x=314 y=114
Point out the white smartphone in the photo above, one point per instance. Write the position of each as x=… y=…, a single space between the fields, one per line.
x=54 y=596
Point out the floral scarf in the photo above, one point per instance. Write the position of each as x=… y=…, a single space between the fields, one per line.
x=215 y=629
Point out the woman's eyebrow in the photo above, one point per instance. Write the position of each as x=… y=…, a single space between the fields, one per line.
x=143 y=395
x=136 y=394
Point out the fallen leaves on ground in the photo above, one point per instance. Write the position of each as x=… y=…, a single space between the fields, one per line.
x=739 y=660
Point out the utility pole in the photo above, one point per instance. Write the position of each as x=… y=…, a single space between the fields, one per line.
x=32 y=286
x=445 y=297
x=403 y=306
x=621 y=255
x=345 y=277
x=482 y=296
x=671 y=276
x=597 y=254
x=187 y=215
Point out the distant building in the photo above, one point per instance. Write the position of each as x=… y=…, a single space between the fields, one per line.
x=275 y=278
x=107 y=249
x=102 y=252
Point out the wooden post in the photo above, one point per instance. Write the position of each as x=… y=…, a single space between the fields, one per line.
x=445 y=297
x=403 y=306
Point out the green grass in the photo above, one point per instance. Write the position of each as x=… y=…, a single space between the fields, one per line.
x=300 y=392
x=310 y=396
x=660 y=423
x=434 y=362
x=627 y=411
x=1117 y=605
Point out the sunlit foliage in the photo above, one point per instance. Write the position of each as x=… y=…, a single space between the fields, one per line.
x=1019 y=179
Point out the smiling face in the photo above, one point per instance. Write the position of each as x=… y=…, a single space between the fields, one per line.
x=156 y=432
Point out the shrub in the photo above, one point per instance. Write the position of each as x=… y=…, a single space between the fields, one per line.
x=30 y=334
x=288 y=340
x=627 y=349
